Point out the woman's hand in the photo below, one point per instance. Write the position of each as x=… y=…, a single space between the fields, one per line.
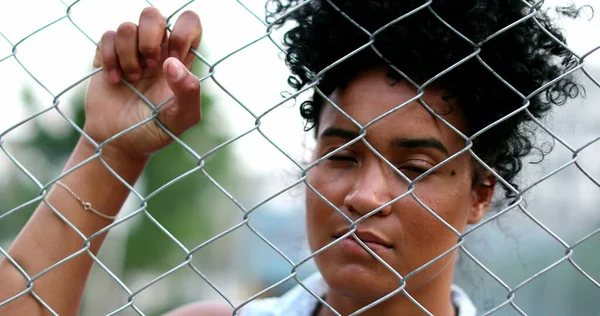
x=141 y=55
x=158 y=66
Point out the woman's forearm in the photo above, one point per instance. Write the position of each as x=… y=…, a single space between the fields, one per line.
x=47 y=239
x=111 y=108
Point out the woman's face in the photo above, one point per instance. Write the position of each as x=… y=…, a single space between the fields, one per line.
x=404 y=234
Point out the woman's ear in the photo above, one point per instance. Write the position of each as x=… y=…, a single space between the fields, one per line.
x=483 y=191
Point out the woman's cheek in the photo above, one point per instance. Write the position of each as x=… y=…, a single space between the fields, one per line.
x=447 y=199
x=330 y=180
x=435 y=200
x=458 y=199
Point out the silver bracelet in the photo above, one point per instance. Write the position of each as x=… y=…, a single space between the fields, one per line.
x=87 y=206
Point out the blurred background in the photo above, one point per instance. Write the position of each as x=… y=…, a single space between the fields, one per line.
x=194 y=210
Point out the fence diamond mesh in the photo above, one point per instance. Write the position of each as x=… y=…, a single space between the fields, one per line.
x=246 y=212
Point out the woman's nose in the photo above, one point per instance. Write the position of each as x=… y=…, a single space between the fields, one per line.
x=369 y=192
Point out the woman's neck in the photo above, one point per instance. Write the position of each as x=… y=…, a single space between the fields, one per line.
x=435 y=297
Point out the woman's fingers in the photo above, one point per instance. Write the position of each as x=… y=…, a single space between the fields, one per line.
x=108 y=56
x=186 y=34
x=132 y=48
x=185 y=110
x=126 y=45
x=151 y=31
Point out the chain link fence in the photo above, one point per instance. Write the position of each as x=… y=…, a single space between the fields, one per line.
x=247 y=212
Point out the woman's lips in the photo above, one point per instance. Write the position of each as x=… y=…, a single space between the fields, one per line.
x=372 y=240
x=350 y=245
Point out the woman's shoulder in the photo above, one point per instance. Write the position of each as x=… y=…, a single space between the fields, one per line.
x=296 y=302
x=206 y=308
x=215 y=308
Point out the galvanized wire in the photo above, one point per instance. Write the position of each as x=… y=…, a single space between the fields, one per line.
x=246 y=211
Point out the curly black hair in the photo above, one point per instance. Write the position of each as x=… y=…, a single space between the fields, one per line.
x=421 y=46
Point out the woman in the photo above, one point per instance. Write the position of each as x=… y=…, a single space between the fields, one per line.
x=410 y=208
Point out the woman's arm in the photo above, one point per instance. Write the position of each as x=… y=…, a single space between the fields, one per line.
x=47 y=239
x=136 y=53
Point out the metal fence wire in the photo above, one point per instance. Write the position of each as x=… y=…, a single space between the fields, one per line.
x=518 y=205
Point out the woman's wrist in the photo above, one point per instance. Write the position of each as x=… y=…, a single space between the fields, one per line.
x=90 y=181
x=128 y=166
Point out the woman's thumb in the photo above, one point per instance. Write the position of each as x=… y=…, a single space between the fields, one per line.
x=185 y=111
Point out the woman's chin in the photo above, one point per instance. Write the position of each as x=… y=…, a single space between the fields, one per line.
x=359 y=281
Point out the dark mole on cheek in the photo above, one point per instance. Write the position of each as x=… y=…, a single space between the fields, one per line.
x=453 y=173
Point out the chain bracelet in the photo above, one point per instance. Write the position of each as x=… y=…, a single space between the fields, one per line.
x=87 y=206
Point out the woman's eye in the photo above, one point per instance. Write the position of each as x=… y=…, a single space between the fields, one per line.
x=418 y=167
x=413 y=169
x=342 y=158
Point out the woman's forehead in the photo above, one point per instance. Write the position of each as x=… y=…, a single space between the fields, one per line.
x=372 y=94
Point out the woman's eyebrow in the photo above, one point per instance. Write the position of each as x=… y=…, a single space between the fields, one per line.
x=339 y=132
x=410 y=143
x=413 y=143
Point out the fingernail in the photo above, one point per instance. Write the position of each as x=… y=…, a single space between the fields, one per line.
x=134 y=77
x=174 y=53
x=151 y=63
x=175 y=70
x=114 y=76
